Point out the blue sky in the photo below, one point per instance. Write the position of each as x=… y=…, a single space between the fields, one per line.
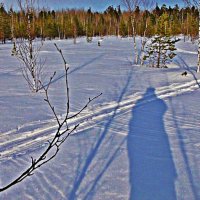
x=94 y=4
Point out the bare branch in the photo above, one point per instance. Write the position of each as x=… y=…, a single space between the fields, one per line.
x=66 y=81
x=131 y=4
x=86 y=105
x=47 y=97
x=192 y=2
x=61 y=134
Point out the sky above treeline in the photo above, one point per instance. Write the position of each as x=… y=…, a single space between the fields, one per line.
x=96 y=5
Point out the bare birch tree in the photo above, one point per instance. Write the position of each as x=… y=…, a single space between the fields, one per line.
x=147 y=5
x=28 y=52
x=131 y=6
x=197 y=4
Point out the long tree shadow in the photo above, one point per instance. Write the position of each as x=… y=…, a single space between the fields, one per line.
x=60 y=76
x=152 y=170
x=182 y=146
x=101 y=146
x=182 y=64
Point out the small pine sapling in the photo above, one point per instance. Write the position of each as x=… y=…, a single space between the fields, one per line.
x=160 y=51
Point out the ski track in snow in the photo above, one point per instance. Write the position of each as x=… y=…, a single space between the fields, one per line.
x=19 y=141
x=185 y=51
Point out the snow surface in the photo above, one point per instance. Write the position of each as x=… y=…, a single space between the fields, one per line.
x=140 y=140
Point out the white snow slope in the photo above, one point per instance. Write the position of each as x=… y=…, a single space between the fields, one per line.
x=139 y=141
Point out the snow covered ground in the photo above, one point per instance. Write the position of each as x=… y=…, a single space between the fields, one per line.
x=140 y=140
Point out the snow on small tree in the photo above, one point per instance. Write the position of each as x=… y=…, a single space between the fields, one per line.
x=160 y=51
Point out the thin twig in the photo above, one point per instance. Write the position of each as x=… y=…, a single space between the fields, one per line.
x=59 y=136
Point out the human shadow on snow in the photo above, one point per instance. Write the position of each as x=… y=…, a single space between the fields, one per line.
x=152 y=170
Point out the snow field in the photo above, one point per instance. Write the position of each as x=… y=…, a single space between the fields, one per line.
x=140 y=140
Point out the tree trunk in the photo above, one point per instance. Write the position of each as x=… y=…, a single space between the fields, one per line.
x=75 y=34
x=159 y=55
x=134 y=38
x=198 y=64
x=143 y=44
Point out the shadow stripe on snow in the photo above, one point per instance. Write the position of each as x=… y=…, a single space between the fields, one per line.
x=26 y=140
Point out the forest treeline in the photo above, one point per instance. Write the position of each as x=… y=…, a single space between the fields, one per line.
x=70 y=23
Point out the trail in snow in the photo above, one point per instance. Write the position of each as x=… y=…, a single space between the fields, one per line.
x=41 y=131
x=185 y=51
x=96 y=164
